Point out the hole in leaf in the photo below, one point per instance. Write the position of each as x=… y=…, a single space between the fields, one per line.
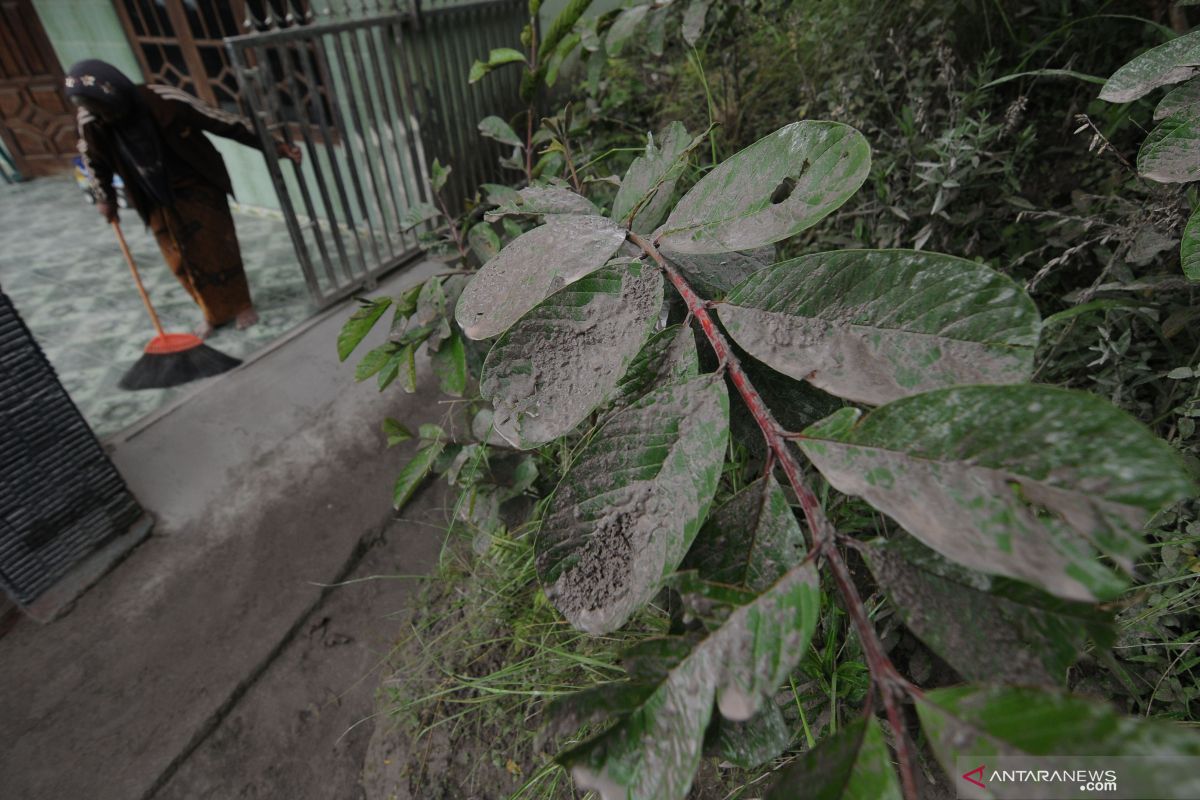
x=783 y=190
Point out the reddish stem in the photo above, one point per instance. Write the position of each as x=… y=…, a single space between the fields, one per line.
x=892 y=686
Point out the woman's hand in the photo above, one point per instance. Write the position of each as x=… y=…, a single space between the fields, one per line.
x=108 y=211
x=289 y=151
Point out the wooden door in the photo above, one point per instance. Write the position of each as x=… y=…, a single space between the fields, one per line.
x=36 y=121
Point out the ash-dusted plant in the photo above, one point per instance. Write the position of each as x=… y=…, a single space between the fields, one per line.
x=1023 y=505
x=1171 y=151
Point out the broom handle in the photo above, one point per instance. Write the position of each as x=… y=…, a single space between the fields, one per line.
x=137 y=278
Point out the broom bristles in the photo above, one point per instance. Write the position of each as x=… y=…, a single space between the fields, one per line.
x=164 y=370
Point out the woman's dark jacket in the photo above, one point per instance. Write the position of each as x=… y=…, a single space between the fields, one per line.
x=180 y=119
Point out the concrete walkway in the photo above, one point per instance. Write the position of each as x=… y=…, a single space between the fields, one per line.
x=211 y=662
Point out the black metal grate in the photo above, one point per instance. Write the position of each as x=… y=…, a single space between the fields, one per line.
x=60 y=496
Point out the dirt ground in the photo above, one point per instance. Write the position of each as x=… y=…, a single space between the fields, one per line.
x=301 y=730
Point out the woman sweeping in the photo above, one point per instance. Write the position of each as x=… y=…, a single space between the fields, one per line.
x=152 y=136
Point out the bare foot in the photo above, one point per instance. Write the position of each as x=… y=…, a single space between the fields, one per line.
x=203 y=330
x=246 y=319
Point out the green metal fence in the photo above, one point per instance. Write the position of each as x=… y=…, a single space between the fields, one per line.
x=372 y=101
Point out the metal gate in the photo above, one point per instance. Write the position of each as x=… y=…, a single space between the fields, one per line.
x=372 y=102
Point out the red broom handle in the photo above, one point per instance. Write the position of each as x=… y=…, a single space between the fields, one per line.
x=137 y=278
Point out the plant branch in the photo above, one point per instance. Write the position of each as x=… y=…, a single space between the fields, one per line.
x=452 y=223
x=892 y=686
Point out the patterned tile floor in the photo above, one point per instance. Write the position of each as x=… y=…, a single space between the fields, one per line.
x=64 y=272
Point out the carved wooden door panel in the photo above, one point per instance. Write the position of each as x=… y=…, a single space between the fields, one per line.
x=37 y=123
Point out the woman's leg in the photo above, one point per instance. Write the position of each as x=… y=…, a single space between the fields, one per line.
x=210 y=261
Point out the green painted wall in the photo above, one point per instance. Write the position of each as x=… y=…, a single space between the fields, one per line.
x=80 y=29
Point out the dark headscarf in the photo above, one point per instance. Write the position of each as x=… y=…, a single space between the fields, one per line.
x=133 y=128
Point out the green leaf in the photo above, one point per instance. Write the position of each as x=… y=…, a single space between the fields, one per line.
x=543 y=201
x=532 y=266
x=560 y=54
x=623 y=28
x=1185 y=97
x=495 y=128
x=563 y=359
x=1171 y=153
x=751 y=743
x=714 y=274
x=1103 y=304
x=450 y=365
x=783 y=183
x=1189 y=248
x=497 y=58
x=631 y=503
x=751 y=540
x=439 y=175
x=649 y=183
x=1022 y=481
x=396 y=431
x=988 y=629
x=654 y=748
x=876 y=325
x=854 y=764
x=401 y=361
x=1175 y=61
x=668 y=356
x=359 y=325
x=414 y=473
x=406 y=304
x=990 y=724
x=375 y=360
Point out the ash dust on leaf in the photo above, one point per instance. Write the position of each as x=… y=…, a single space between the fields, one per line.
x=565 y=357
x=629 y=507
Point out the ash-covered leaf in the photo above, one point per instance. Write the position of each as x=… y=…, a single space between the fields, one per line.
x=1184 y=97
x=531 y=267
x=1177 y=60
x=1171 y=153
x=1023 y=481
x=623 y=28
x=776 y=187
x=542 y=201
x=564 y=358
x=693 y=20
x=495 y=128
x=653 y=750
x=988 y=629
x=484 y=241
x=853 y=764
x=751 y=743
x=751 y=540
x=668 y=356
x=993 y=722
x=714 y=274
x=876 y=325
x=649 y=183
x=629 y=506
x=1189 y=248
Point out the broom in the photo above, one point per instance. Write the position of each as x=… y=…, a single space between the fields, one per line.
x=170 y=359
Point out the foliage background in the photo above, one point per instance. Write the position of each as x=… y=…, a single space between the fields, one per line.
x=979 y=152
